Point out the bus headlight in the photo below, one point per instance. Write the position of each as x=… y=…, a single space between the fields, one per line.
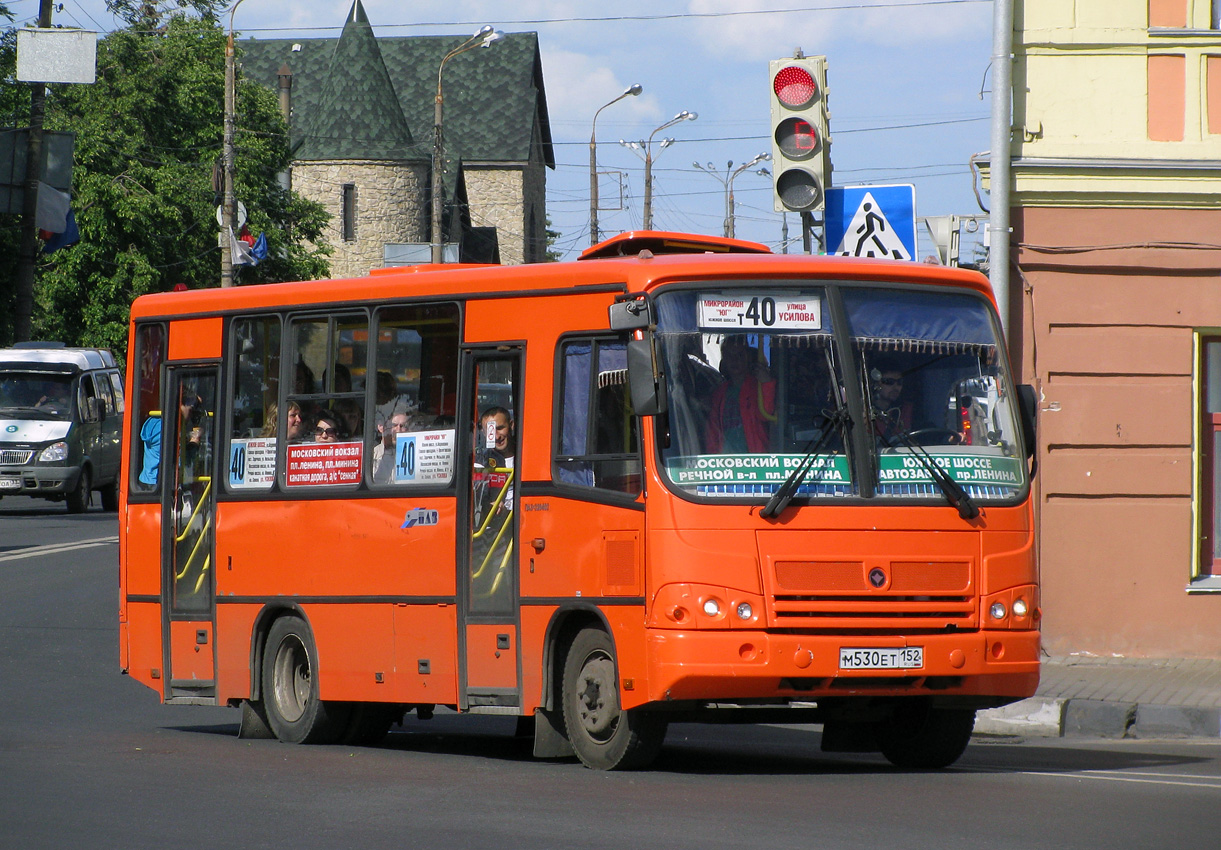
x=1019 y=608
x=997 y=610
x=745 y=612
x=54 y=453
x=712 y=607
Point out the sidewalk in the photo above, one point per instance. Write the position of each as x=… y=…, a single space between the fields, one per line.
x=1116 y=698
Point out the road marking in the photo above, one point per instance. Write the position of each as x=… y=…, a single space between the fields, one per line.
x=1172 y=779
x=55 y=548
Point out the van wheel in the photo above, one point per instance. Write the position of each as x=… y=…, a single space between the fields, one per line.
x=290 y=688
x=603 y=735
x=922 y=737
x=78 y=499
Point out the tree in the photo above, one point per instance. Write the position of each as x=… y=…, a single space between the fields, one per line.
x=12 y=98
x=148 y=142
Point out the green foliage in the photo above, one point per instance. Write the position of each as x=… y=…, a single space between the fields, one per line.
x=149 y=136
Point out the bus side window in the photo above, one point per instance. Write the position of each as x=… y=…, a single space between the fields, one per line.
x=598 y=443
x=254 y=378
x=415 y=380
x=146 y=418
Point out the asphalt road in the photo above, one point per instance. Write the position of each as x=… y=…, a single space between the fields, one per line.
x=90 y=759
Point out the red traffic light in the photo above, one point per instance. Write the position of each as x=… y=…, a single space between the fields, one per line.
x=795 y=87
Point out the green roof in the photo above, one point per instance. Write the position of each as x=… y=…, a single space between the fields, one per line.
x=350 y=93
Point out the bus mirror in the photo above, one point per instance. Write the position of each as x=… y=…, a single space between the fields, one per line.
x=644 y=379
x=1029 y=406
x=631 y=314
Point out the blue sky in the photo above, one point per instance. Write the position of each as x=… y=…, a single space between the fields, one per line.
x=907 y=83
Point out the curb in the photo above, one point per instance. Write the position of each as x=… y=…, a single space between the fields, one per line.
x=1043 y=717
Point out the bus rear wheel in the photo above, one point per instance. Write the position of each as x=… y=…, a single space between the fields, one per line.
x=602 y=734
x=290 y=687
x=922 y=737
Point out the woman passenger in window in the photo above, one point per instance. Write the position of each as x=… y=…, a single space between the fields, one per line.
x=328 y=428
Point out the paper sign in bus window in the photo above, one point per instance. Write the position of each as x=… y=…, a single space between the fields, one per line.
x=425 y=457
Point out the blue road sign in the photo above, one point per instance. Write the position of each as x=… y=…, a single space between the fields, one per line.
x=871 y=221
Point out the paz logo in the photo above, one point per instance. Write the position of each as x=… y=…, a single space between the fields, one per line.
x=420 y=516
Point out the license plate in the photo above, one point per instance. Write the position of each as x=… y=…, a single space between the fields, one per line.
x=10 y=483
x=881 y=658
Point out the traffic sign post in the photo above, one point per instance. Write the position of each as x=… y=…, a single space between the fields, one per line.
x=872 y=221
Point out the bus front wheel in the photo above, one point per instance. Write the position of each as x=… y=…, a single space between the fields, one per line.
x=923 y=737
x=602 y=734
x=290 y=687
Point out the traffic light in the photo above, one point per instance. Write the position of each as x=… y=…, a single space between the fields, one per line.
x=801 y=143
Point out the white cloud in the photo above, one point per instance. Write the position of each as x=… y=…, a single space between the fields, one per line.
x=577 y=85
x=765 y=36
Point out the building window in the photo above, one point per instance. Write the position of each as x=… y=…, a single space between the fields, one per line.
x=1209 y=451
x=349 y=212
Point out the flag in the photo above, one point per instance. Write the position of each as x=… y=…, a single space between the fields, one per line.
x=259 y=248
x=240 y=251
x=70 y=236
x=52 y=212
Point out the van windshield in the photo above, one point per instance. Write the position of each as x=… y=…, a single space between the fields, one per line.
x=35 y=395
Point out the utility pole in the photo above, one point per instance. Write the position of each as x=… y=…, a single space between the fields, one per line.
x=27 y=256
x=228 y=211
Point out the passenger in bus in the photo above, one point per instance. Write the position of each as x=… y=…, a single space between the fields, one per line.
x=744 y=405
x=298 y=423
x=329 y=427
x=892 y=413
x=384 y=451
x=303 y=382
x=349 y=411
x=498 y=421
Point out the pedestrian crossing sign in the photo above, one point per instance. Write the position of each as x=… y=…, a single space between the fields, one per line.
x=871 y=221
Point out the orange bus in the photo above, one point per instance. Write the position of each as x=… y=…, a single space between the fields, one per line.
x=681 y=478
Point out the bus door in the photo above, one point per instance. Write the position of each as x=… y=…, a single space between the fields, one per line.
x=188 y=511
x=488 y=556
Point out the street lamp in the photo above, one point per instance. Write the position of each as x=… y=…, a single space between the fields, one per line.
x=228 y=153
x=727 y=182
x=647 y=147
x=485 y=37
x=593 y=163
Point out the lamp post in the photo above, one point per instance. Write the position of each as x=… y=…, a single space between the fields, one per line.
x=593 y=162
x=485 y=37
x=727 y=182
x=647 y=147
x=228 y=207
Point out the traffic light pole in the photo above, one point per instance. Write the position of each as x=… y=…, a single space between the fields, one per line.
x=27 y=256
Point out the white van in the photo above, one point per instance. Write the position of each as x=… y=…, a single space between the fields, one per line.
x=61 y=422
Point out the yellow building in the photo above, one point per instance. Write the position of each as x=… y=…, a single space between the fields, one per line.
x=1115 y=299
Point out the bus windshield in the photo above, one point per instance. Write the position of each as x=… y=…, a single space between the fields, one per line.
x=764 y=388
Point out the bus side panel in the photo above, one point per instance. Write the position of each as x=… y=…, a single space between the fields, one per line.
x=143 y=568
x=144 y=658
x=195 y=339
x=335 y=549
x=426 y=654
x=355 y=650
x=234 y=629
x=534 y=622
x=589 y=549
x=631 y=652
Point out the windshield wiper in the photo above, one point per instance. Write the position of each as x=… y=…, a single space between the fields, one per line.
x=785 y=492
x=951 y=489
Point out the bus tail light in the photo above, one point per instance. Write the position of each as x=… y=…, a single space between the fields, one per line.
x=702 y=606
